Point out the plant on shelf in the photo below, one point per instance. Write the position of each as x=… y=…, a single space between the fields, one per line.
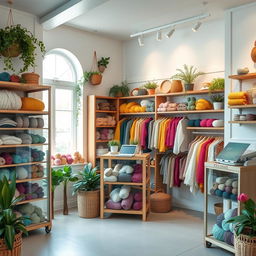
x=217 y=84
x=103 y=63
x=245 y=227
x=119 y=90
x=151 y=87
x=114 y=145
x=218 y=101
x=188 y=76
x=11 y=226
x=87 y=190
x=17 y=41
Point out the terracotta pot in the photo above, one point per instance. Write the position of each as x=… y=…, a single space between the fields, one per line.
x=253 y=53
x=88 y=203
x=245 y=245
x=101 y=68
x=13 y=51
x=16 y=251
x=176 y=86
x=96 y=79
x=189 y=87
x=119 y=94
x=30 y=78
x=151 y=91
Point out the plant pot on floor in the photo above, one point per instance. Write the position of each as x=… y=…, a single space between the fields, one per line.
x=16 y=251
x=189 y=87
x=96 y=79
x=245 y=245
x=88 y=203
x=12 y=51
x=218 y=105
x=114 y=149
x=151 y=91
x=30 y=78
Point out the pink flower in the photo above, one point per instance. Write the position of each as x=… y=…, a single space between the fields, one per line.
x=243 y=198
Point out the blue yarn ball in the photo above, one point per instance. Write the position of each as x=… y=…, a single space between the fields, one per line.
x=4 y=76
x=220 y=218
x=197 y=123
x=218 y=192
x=229 y=238
x=218 y=233
x=225 y=225
x=228 y=214
x=231 y=227
x=191 y=123
x=226 y=195
x=233 y=197
x=27 y=221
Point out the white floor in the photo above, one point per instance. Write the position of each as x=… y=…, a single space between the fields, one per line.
x=176 y=233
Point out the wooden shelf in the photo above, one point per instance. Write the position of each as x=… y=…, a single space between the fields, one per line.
x=39 y=225
x=22 y=145
x=106 y=111
x=137 y=114
x=21 y=164
x=21 y=129
x=242 y=106
x=32 y=200
x=187 y=93
x=192 y=112
x=243 y=77
x=205 y=128
x=23 y=87
x=242 y=122
x=102 y=141
x=27 y=112
x=105 y=126
x=137 y=97
x=123 y=183
x=31 y=180
x=123 y=211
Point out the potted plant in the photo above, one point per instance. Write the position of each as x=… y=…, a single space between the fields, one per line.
x=218 y=101
x=11 y=226
x=217 y=84
x=88 y=193
x=114 y=145
x=119 y=90
x=245 y=227
x=188 y=76
x=103 y=63
x=93 y=77
x=16 y=41
x=151 y=87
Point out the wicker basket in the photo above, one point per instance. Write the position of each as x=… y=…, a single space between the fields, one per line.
x=13 y=51
x=160 y=202
x=88 y=204
x=95 y=79
x=176 y=86
x=16 y=251
x=218 y=208
x=245 y=245
x=31 y=78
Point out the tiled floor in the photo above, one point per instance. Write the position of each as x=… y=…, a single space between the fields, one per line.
x=176 y=233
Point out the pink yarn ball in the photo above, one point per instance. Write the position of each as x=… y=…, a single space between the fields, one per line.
x=57 y=162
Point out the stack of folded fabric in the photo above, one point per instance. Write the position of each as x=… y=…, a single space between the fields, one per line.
x=7 y=123
x=9 y=140
x=237 y=98
x=167 y=106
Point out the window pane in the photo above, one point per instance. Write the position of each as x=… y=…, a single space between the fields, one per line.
x=63 y=99
x=49 y=66
x=63 y=121
x=63 y=143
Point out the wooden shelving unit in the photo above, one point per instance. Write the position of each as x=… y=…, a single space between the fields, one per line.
x=205 y=128
x=145 y=185
x=137 y=114
x=25 y=90
x=243 y=77
x=192 y=112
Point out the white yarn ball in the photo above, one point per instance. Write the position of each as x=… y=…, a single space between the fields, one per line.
x=21 y=173
x=9 y=100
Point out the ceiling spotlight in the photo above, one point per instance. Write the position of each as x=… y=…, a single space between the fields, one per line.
x=140 y=41
x=197 y=26
x=159 y=36
x=169 y=34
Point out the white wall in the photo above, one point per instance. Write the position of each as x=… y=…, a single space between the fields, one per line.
x=159 y=60
x=240 y=37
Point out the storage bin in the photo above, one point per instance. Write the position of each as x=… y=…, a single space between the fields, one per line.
x=160 y=202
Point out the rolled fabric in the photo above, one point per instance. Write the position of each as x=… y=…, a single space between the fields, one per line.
x=108 y=172
x=114 y=195
x=124 y=177
x=218 y=123
x=127 y=203
x=2 y=161
x=221 y=179
x=124 y=192
x=218 y=233
x=113 y=205
x=237 y=95
x=209 y=122
x=137 y=177
x=225 y=225
x=220 y=218
x=229 y=238
x=111 y=178
x=116 y=169
x=237 y=102
x=138 y=196
x=137 y=206
x=229 y=182
x=126 y=169
x=138 y=168
x=235 y=184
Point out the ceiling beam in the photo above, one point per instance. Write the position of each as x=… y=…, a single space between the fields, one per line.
x=67 y=12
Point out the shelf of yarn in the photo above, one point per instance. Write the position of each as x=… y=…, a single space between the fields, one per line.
x=138 y=113
x=21 y=164
x=23 y=145
x=25 y=112
x=192 y=112
x=32 y=200
x=23 y=87
x=243 y=77
x=21 y=129
x=31 y=180
x=242 y=106
x=205 y=128
x=106 y=111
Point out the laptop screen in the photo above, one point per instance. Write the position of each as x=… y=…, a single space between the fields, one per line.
x=233 y=151
x=128 y=149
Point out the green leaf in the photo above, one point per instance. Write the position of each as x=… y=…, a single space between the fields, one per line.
x=9 y=236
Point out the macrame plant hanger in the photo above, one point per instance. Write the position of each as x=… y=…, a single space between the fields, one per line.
x=96 y=77
x=10 y=21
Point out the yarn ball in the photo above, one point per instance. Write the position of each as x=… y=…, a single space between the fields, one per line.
x=124 y=192
x=108 y=172
x=221 y=187
x=21 y=188
x=137 y=177
x=229 y=182
x=33 y=123
x=113 y=205
x=197 y=123
x=229 y=238
x=228 y=189
x=126 y=169
x=226 y=195
x=114 y=195
x=220 y=218
x=228 y=214
x=203 y=122
x=218 y=233
x=191 y=123
x=22 y=173
x=233 y=197
x=9 y=100
x=221 y=180
x=2 y=161
x=138 y=196
x=235 y=184
x=218 y=192
x=17 y=159
x=4 y=172
x=26 y=122
x=124 y=177
x=225 y=225
x=19 y=121
x=40 y=122
x=4 y=76
x=127 y=203
x=137 y=206
x=27 y=221
x=35 y=218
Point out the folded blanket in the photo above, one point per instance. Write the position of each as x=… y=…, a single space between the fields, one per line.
x=124 y=177
x=137 y=206
x=7 y=122
x=113 y=205
x=237 y=95
x=10 y=140
x=127 y=203
x=237 y=102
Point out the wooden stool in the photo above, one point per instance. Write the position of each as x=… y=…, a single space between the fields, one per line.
x=160 y=202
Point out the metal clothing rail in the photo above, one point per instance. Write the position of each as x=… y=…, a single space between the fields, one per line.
x=209 y=133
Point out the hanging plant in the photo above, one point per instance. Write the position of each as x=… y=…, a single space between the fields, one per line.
x=103 y=63
x=16 y=41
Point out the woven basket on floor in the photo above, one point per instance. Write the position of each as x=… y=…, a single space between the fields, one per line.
x=88 y=203
x=16 y=251
x=160 y=202
x=245 y=245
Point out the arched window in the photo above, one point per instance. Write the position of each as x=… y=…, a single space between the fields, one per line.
x=62 y=70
